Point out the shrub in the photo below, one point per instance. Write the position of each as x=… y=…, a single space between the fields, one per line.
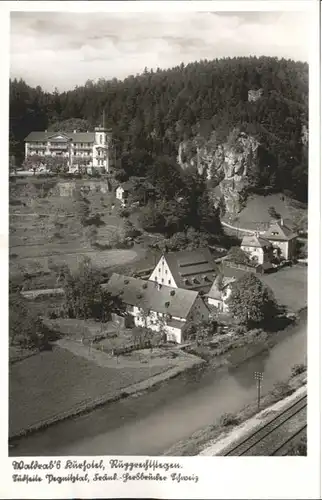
x=298 y=369
x=228 y=419
x=124 y=212
x=240 y=330
x=282 y=389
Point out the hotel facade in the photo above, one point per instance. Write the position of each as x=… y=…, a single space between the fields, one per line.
x=83 y=150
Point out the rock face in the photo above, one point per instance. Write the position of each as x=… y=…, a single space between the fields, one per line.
x=227 y=166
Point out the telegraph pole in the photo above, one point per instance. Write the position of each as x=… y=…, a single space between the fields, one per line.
x=259 y=377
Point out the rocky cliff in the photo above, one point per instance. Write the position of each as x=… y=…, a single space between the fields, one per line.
x=227 y=166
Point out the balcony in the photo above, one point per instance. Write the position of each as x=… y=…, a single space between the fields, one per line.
x=84 y=147
x=36 y=146
x=63 y=147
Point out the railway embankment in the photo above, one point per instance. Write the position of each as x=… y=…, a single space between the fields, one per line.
x=268 y=432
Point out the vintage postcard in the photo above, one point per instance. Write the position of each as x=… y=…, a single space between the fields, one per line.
x=161 y=254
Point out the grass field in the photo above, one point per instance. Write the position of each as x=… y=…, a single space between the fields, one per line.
x=255 y=214
x=52 y=383
x=289 y=286
x=46 y=228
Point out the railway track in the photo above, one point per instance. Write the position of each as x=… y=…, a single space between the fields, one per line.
x=261 y=442
x=283 y=449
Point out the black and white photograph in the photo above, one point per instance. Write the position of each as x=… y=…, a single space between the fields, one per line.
x=158 y=195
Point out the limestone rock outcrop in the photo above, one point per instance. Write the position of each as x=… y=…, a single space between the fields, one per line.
x=227 y=166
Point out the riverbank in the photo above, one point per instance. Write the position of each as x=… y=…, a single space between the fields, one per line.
x=213 y=439
x=150 y=422
x=63 y=384
x=233 y=350
x=134 y=394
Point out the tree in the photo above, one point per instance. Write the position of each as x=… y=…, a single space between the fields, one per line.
x=84 y=297
x=91 y=234
x=151 y=219
x=26 y=328
x=251 y=302
x=141 y=335
x=200 y=331
x=238 y=256
x=56 y=164
x=273 y=213
x=70 y=125
x=33 y=162
x=130 y=230
x=152 y=112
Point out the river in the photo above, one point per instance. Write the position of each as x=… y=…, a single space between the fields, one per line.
x=151 y=423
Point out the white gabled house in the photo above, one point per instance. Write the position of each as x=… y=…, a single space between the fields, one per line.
x=220 y=292
x=188 y=269
x=158 y=307
x=282 y=238
x=258 y=248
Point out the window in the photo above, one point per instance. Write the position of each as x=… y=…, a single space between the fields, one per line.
x=159 y=269
x=162 y=280
x=101 y=139
x=166 y=271
x=169 y=282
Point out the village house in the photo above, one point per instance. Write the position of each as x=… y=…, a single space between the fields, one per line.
x=220 y=292
x=258 y=249
x=282 y=239
x=158 y=307
x=122 y=191
x=83 y=150
x=188 y=269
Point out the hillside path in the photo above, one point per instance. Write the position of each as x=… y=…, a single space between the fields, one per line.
x=240 y=229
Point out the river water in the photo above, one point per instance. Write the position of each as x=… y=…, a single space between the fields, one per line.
x=151 y=423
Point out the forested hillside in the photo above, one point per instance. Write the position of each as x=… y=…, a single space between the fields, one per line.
x=153 y=113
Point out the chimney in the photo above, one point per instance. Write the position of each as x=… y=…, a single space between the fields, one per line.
x=75 y=131
x=282 y=222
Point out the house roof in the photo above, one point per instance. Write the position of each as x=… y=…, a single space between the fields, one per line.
x=152 y=296
x=253 y=240
x=175 y=323
x=71 y=136
x=214 y=292
x=232 y=272
x=284 y=233
x=192 y=269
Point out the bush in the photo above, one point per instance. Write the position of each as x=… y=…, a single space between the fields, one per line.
x=123 y=212
x=93 y=220
x=228 y=419
x=298 y=369
x=282 y=389
x=240 y=330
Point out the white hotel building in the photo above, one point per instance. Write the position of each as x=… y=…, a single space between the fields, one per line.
x=84 y=150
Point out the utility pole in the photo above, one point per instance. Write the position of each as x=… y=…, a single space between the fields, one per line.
x=259 y=377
